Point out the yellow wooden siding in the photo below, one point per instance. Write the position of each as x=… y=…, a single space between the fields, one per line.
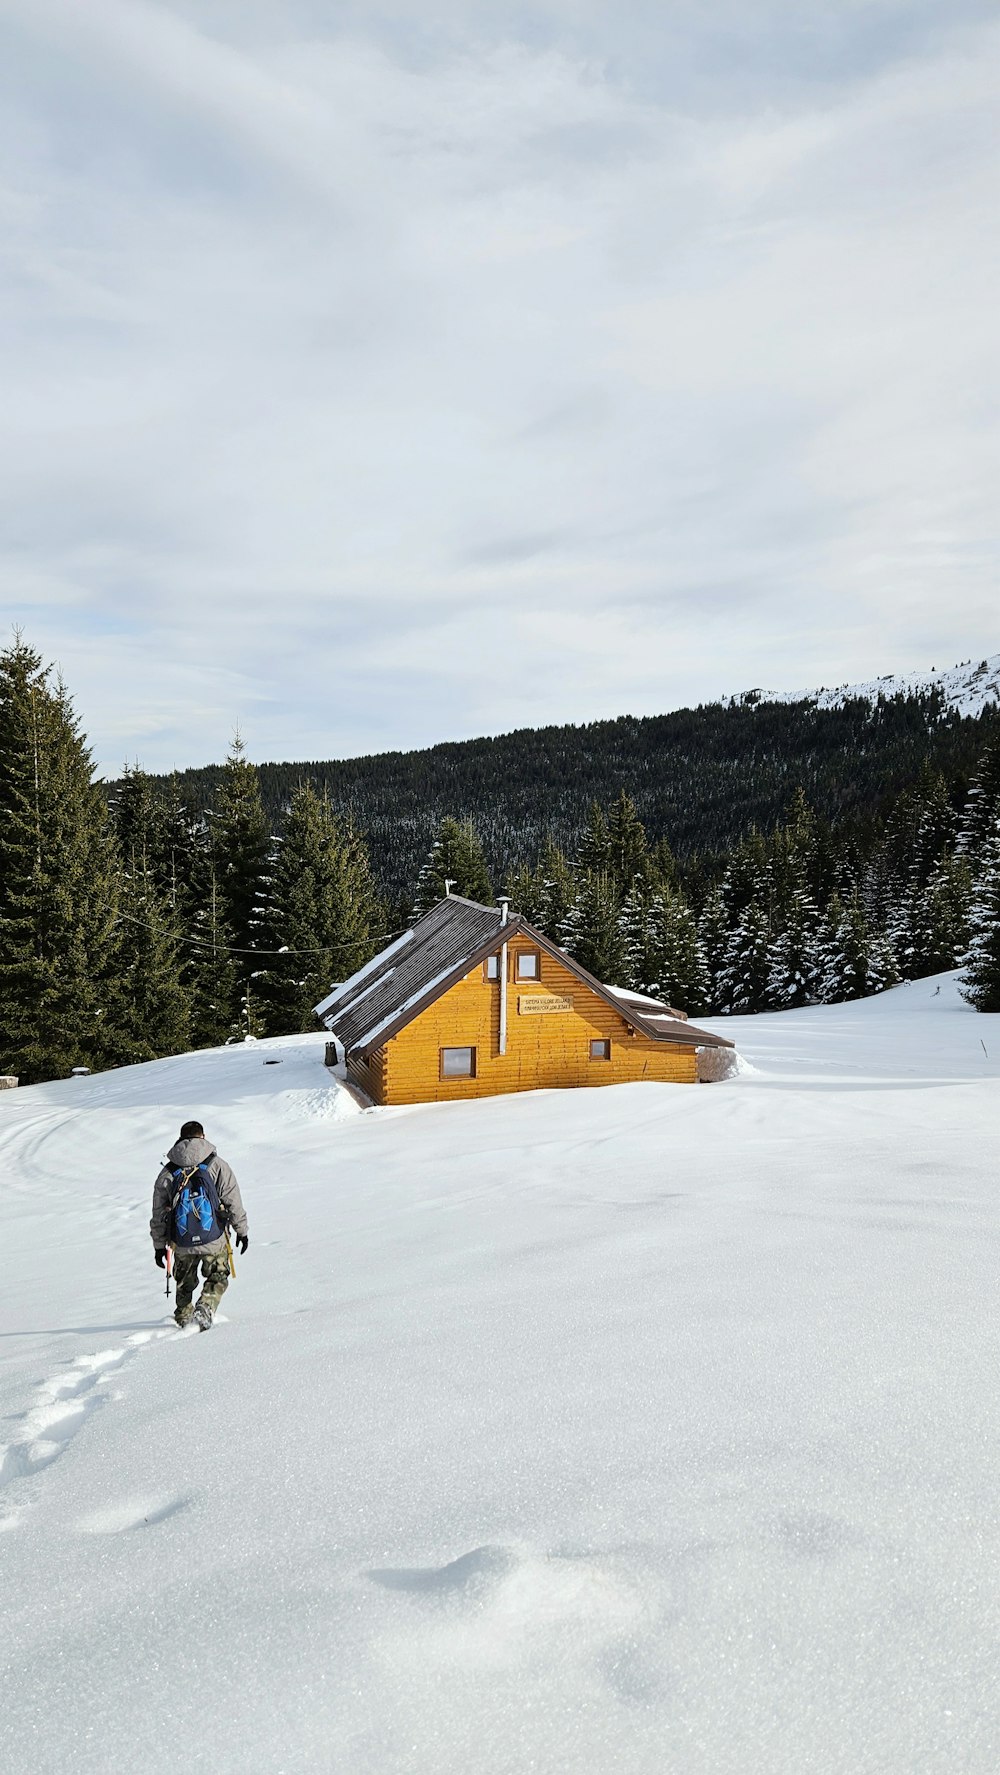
x=543 y=1050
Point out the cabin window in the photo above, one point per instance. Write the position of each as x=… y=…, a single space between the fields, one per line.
x=601 y=1049
x=458 y=1063
x=493 y=967
x=529 y=964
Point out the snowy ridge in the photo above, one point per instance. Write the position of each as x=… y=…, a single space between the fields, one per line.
x=968 y=688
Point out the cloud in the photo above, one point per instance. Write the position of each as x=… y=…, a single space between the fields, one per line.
x=393 y=381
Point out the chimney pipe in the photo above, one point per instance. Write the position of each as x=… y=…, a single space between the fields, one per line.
x=504 y=906
x=448 y=885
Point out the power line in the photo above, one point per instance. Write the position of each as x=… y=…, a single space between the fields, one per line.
x=232 y=949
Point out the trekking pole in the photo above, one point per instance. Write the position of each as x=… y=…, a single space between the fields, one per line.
x=169 y=1267
x=229 y=1254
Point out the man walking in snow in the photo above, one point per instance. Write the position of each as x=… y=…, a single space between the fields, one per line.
x=195 y=1199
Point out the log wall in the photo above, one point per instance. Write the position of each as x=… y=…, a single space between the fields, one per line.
x=543 y=1049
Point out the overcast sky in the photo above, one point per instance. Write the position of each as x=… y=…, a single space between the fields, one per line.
x=375 y=374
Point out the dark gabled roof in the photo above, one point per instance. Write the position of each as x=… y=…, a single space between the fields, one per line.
x=441 y=948
x=438 y=945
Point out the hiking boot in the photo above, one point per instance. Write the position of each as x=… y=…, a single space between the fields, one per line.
x=203 y=1315
x=183 y=1316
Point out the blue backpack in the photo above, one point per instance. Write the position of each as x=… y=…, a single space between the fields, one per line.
x=196 y=1213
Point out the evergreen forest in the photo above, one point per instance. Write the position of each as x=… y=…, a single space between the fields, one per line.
x=701 y=778
x=729 y=859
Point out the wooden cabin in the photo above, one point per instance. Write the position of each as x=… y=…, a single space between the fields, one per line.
x=472 y=1002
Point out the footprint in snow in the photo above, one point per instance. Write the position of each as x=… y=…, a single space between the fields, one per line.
x=62 y=1405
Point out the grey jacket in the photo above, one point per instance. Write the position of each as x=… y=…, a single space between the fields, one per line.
x=195 y=1152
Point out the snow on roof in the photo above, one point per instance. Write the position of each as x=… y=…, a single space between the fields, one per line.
x=636 y=998
x=668 y=1025
x=438 y=944
x=362 y=1041
x=347 y=988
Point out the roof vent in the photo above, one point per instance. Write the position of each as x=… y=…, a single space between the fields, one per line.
x=448 y=885
x=504 y=906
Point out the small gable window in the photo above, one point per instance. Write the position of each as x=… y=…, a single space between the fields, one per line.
x=600 y=1050
x=458 y=1063
x=493 y=967
x=529 y=964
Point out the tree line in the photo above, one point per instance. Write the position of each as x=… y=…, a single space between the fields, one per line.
x=136 y=922
x=809 y=913
x=699 y=777
x=139 y=926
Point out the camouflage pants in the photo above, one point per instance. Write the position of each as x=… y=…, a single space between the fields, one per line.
x=215 y=1274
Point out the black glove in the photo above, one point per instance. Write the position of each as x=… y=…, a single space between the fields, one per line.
x=242 y=1243
x=161 y=1256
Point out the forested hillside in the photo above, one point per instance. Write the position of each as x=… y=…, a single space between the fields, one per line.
x=701 y=778
x=734 y=858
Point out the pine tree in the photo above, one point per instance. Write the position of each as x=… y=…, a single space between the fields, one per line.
x=182 y=839
x=628 y=855
x=212 y=975
x=925 y=919
x=556 y=890
x=683 y=978
x=639 y=937
x=934 y=829
x=937 y=930
x=855 y=962
x=524 y=890
x=744 y=981
x=456 y=856
x=746 y=877
x=983 y=806
x=793 y=977
x=151 y=1004
x=663 y=865
x=58 y=883
x=981 y=976
x=802 y=832
x=322 y=913
x=591 y=932
x=138 y=816
x=594 y=852
x=884 y=964
x=882 y=890
x=241 y=842
x=543 y=895
x=188 y=879
x=713 y=936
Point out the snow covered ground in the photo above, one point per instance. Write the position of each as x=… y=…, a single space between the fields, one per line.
x=646 y=1429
